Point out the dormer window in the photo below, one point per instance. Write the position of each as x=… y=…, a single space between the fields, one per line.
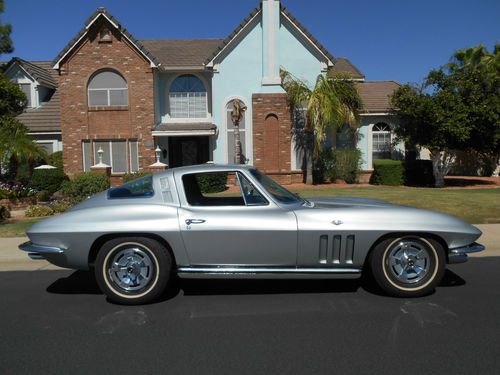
x=188 y=97
x=107 y=88
x=26 y=88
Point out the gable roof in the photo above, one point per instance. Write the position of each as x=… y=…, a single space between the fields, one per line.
x=246 y=21
x=102 y=12
x=40 y=71
x=376 y=95
x=343 y=65
x=47 y=117
x=181 y=53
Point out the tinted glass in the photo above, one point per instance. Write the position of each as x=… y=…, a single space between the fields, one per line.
x=141 y=188
x=277 y=191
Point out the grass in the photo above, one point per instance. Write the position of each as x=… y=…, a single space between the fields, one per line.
x=17 y=228
x=476 y=206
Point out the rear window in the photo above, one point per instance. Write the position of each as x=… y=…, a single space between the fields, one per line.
x=140 y=188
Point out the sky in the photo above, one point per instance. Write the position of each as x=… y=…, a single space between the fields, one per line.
x=386 y=40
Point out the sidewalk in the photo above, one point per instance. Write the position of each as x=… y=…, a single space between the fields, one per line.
x=13 y=259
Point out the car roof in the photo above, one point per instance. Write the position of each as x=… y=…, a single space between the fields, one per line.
x=199 y=168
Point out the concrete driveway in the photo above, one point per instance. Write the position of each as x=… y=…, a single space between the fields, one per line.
x=13 y=259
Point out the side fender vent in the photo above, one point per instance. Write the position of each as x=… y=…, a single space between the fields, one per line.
x=336 y=249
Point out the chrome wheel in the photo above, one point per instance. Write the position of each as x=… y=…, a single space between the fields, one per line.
x=131 y=268
x=408 y=261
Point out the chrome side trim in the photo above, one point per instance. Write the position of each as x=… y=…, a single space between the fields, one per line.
x=472 y=248
x=40 y=249
x=232 y=272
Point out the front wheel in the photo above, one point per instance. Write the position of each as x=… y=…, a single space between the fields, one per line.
x=407 y=266
x=133 y=270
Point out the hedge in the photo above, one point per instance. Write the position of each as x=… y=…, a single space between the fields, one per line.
x=49 y=180
x=342 y=164
x=387 y=172
x=84 y=185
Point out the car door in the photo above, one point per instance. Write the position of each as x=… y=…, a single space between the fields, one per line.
x=239 y=227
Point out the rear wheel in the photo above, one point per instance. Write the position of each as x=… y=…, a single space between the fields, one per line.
x=408 y=266
x=133 y=270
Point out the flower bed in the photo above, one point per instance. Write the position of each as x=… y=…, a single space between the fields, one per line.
x=18 y=203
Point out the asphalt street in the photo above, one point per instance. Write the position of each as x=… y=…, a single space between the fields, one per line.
x=58 y=322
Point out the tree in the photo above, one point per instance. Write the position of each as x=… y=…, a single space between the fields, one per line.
x=16 y=145
x=456 y=108
x=237 y=114
x=5 y=30
x=332 y=103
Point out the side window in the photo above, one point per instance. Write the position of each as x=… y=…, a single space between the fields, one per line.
x=220 y=189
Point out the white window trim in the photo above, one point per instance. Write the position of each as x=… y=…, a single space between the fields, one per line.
x=248 y=129
x=168 y=84
x=53 y=142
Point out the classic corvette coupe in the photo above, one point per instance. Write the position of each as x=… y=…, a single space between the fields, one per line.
x=232 y=221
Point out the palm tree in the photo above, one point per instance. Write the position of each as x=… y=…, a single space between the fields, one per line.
x=16 y=145
x=332 y=103
x=237 y=114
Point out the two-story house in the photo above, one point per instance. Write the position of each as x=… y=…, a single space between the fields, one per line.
x=128 y=97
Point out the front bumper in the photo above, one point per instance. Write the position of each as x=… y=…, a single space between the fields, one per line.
x=459 y=254
x=40 y=251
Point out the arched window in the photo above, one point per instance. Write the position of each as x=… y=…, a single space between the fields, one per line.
x=230 y=135
x=108 y=88
x=188 y=97
x=382 y=143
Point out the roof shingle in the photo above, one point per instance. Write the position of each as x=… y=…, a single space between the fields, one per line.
x=376 y=95
x=343 y=65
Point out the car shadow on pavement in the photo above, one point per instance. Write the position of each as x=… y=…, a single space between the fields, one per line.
x=83 y=282
x=451 y=279
x=266 y=286
x=79 y=282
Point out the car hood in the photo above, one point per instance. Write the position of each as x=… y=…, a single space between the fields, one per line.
x=348 y=202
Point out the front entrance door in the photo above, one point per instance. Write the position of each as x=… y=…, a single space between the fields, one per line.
x=188 y=151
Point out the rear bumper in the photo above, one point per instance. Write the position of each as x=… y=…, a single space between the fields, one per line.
x=459 y=254
x=40 y=251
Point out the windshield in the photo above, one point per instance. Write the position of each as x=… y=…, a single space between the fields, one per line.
x=277 y=191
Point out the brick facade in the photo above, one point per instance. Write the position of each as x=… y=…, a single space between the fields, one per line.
x=79 y=122
x=272 y=137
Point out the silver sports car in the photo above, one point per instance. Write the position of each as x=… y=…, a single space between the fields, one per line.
x=232 y=221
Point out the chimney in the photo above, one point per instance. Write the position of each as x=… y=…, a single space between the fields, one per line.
x=270 y=27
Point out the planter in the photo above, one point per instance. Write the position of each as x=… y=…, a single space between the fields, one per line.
x=18 y=203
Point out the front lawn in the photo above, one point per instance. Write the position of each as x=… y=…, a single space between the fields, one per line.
x=476 y=206
x=17 y=228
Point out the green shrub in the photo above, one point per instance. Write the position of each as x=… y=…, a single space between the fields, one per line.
x=4 y=213
x=38 y=211
x=419 y=173
x=387 y=172
x=212 y=182
x=56 y=160
x=48 y=179
x=43 y=196
x=61 y=205
x=84 y=185
x=344 y=164
x=127 y=177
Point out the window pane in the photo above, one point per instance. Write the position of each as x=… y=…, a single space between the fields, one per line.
x=118 y=97
x=134 y=157
x=104 y=145
x=98 y=97
x=107 y=80
x=87 y=155
x=119 y=152
x=250 y=193
x=213 y=189
x=47 y=147
x=26 y=88
x=141 y=188
x=187 y=83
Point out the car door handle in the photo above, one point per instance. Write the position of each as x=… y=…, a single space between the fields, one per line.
x=194 y=221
